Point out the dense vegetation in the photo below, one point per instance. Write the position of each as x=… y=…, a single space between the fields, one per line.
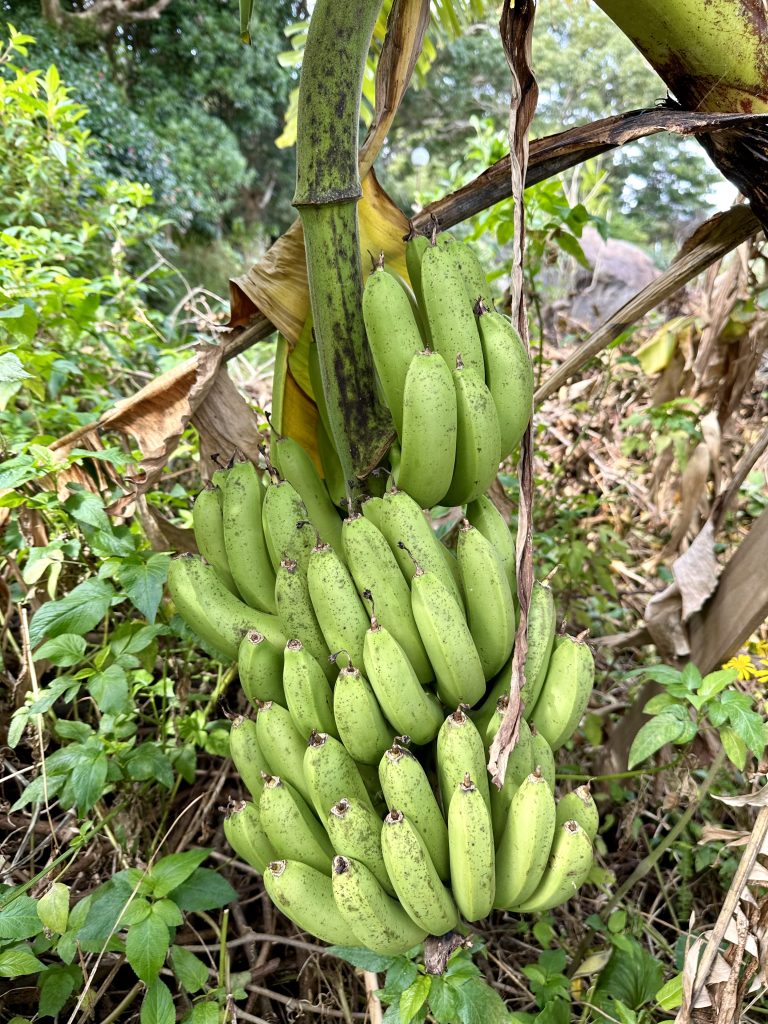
x=139 y=169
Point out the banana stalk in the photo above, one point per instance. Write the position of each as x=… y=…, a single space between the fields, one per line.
x=327 y=191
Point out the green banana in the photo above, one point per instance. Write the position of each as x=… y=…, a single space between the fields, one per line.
x=371 y=509
x=460 y=750
x=447 y=640
x=543 y=758
x=508 y=374
x=409 y=535
x=523 y=851
x=216 y=615
x=209 y=533
x=565 y=692
x=375 y=571
x=281 y=513
x=497 y=687
x=331 y=775
x=470 y=839
x=405 y=785
x=578 y=805
x=414 y=877
x=355 y=831
x=340 y=612
x=414 y=253
x=297 y=616
x=393 y=335
x=260 y=667
x=541 y=637
x=244 y=833
x=488 y=599
x=428 y=432
x=449 y=313
x=291 y=827
x=282 y=745
x=519 y=766
x=566 y=871
x=244 y=537
x=305 y=896
x=406 y=705
x=298 y=469
x=378 y=921
x=486 y=518
x=333 y=474
x=246 y=755
x=307 y=694
x=475 y=281
x=361 y=725
x=478 y=438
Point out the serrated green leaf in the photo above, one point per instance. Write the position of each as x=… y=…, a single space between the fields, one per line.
x=365 y=959
x=53 y=908
x=136 y=911
x=171 y=871
x=205 y=1013
x=631 y=976
x=414 y=997
x=143 y=580
x=670 y=996
x=109 y=690
x=189 y=969
x=749 y=726
x=146 y=945
x=56 y=984
x=443 y=1001
x=168 y=912
x=105 y=908
x=204 y=890
x=64 y=651
x=653 y=736
x=18 y=961
x=148 y=761
x=88 y=778
x=19 y=919
x=480 y=1004
x=734 y=746
x=157 y=1007
x=78 y=612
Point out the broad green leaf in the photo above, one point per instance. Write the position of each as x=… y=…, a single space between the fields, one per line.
x=56 y=984
x=11 y=369
x=690 y=677
x=557 y=1011
x=143 y=581
x=64 y=651
x=652 y=736
x=205 y=1013
x=713 y=683
x=78 y=612
x=749 y=726
x=19 y=919
x=168 y=912
x=88 y=778
x=734 y=746
x=53 y=908
x=204 y=890
x=631 y=976
x=157 y=1007
x=105 y=909
x=365 y=959
x=136 y=910
x=670 y=996
x=189 y=969
x=18 y=961
x=171 y=871
x=109 y=690
x=87 y=509
x=146 y=945
x=443 y=1001
x=480 y=1004
x=148 y=761
x=414 y=997
x=658 y=703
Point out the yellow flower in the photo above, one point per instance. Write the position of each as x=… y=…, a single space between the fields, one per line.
x=761 y=649
x=743 y=665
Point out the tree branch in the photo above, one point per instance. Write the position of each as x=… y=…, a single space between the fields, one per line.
x=103 y=16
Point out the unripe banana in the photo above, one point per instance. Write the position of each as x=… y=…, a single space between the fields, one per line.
x=340 y=612
x=216 y=615
x=497 y=687
x=486 y=518
x=488 y=599
x=475 y=281
x=460 y=750
x=405 y=785
x=246 y=836
x=333 y=474
x=543 y=758
x=447 y=640
x=414 y=253
x=297 y=468
x=305 y=896
x=282 y=745
x=247 y=755
x=450 y=317
x=307 y=693
x=393 y=335
x=470 y=838
x=260 y=667
x=379 y=922
x=478 y=440
x=371 y=509
x=406 y=705
x=414 y=877
x=567 y=869
x=578 y=805
x=566 y=690
x=355 y=831
x=219 y=481
x=523 y=851
x=209 y=533
x=375 y=570
x=428 y=433
x=403 y=523
x=297 y=616
x=331 y=775
x=361 y=726
x=291 y=827
x=519 y=766
x=508 y=374
x=541 y=637
x=282 y=512
x=244 y=537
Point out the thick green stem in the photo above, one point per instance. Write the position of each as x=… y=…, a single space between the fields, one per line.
x=327 y=192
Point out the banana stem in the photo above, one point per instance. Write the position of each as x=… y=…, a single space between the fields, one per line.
x=327 y=192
